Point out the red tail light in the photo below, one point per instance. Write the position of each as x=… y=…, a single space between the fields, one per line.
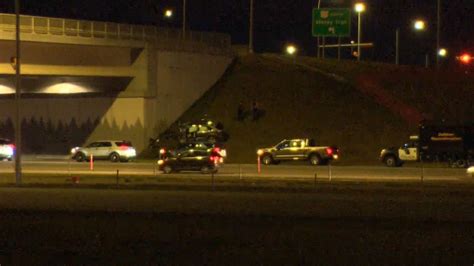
x=124 y=147
x=214 y=159
x=12 y=146
x=329 y=151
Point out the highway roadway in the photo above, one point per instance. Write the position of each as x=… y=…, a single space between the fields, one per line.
x=282 y=171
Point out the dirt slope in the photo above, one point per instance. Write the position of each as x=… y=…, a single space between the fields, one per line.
x=368 y=109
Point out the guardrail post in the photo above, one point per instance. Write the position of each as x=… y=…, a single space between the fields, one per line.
x=92 y=162
x=212 y=176
x=329 y=172
x=315 y=178
x=422 y=171
x=240 y=173
x=117 y=178
x=259 y=164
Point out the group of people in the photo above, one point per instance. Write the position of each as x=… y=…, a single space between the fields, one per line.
x=242 y=113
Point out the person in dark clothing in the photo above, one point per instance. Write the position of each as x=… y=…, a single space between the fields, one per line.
x=240 y=111
x=255 y=112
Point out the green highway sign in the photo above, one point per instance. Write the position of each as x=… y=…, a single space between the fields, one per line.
x=332 y=22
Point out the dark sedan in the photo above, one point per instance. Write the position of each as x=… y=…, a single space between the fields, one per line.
x=191 y=160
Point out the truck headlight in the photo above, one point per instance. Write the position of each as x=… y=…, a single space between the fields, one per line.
x=259 y=152
x=335 y=156
x=161 y=162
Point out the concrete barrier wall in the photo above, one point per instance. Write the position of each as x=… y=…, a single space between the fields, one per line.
x=66 y=54
x=182 y=79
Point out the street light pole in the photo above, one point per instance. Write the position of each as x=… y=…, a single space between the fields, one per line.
x=438 y=26
x=251 y=28
x=17 y=98
x=184 y=19
x=318 y=38
x=358 y=36
x=397 y=46
x=359 y=8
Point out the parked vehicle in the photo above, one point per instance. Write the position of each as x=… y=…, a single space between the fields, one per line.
x=434 y=143
x=7 y=149
x=191 y=160
x=298 y=149
x=113 y=150
x=470 y=171
x=206 y=146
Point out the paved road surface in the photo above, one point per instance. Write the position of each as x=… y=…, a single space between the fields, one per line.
x=282 y=171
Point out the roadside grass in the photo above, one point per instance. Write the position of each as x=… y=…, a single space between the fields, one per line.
x=334 y=223
x=234 y=182
x=300 y=103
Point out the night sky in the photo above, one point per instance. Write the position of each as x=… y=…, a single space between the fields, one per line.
x=280 y=21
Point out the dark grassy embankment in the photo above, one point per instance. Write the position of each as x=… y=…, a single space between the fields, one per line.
x=372 y=106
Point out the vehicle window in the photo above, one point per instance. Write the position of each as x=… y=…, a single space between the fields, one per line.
x=105 y=144
x=93 y=145
x=201 y=153
x=284 y=144
x=296 y=143
x=201 y=145
x=412 y=144
x=184 y=154
x=123 y=143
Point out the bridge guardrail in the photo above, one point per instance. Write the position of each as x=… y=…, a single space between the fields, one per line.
x=164 y=38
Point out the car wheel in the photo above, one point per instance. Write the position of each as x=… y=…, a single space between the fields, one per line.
x=167 y=169
x=114 y=157
x=205 y=169
x=314 y=159
x=80 y=157
x=267 y=159
x=391 y=161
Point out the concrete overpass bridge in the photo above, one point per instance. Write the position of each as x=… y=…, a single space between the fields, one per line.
x=86 y=80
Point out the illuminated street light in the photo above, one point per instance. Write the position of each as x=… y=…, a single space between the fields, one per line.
x=442 y=52
x=291 y=49
x=359 y=8
x=168 y=13
x=419 y=24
